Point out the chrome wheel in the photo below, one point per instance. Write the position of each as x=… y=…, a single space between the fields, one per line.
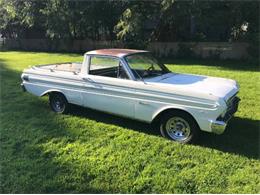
x=178 y=128
x=58 y=103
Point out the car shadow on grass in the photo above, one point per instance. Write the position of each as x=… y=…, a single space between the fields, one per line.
x=241 y=136
x=112 y=119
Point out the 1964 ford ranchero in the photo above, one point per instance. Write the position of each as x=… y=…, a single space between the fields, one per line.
x=131 y=83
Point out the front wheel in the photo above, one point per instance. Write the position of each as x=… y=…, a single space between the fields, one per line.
x=179 y=126
x=58 y=103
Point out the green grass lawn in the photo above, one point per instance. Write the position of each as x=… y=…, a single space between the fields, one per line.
x=88 y=151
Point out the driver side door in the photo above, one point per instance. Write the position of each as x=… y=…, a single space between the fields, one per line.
x=108 y=87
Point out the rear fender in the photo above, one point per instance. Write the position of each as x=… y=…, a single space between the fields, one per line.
x=51 y=91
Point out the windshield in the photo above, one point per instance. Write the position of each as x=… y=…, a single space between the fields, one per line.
x=143 y=65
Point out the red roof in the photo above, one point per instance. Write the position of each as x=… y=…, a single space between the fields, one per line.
x=115 y=52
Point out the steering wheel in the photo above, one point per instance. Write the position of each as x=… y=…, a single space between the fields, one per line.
x=151 y=68
x=146 y=72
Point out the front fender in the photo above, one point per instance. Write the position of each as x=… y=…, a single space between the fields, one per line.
x=159 y=111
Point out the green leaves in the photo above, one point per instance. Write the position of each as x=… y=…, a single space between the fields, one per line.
x=136 y=23
x=166 y=4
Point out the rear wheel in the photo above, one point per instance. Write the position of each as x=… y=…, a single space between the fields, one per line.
x=179 y=126
x=58 y=103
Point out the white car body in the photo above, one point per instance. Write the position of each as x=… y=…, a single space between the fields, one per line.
x=210 y=101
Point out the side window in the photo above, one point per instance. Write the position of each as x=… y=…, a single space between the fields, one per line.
x=107 y=66
x=97 y=63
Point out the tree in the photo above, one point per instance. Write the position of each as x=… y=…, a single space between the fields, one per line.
x=193 y=20
x=139 y=21
x=134 y=22
x=81 y=19
x=20 y=18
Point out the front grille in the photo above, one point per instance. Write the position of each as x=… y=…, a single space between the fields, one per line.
x=232 y=108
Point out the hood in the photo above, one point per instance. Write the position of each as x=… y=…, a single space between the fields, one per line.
x=197 y=84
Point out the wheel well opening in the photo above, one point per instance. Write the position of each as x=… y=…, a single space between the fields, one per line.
x=156 y=119
x=55 y=92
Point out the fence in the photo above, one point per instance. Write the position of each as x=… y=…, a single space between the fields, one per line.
x=222 y=50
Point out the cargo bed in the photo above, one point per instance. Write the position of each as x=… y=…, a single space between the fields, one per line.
x=68 y=67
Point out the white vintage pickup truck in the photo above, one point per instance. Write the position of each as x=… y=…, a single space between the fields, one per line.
x=133 y=84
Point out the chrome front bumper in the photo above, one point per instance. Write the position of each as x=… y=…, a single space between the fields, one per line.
x=218 y=127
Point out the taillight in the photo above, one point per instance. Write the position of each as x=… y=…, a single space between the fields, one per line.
x=25 y=77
